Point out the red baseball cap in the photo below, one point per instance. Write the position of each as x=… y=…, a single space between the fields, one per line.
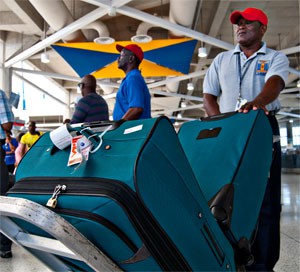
x=250 y=14
x=135 y=49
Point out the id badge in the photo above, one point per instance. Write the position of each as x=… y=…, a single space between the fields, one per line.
x=239 y=103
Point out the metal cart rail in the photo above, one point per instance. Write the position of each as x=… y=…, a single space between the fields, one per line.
x=66 y=241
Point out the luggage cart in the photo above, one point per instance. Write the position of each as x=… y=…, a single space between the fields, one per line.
x=66 y=241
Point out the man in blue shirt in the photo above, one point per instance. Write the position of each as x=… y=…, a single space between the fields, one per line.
x=6 y=123
x=251 y=77
x=133 y=97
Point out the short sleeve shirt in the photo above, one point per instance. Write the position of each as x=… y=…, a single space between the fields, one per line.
x=224 y=80
x=133 y=93
x=90 y=108
x=10 y=158
x=29 y=139
x=6 y=114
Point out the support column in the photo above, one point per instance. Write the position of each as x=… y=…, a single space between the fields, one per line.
x=5 y=73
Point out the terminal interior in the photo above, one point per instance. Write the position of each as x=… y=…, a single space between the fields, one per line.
x=45 y=83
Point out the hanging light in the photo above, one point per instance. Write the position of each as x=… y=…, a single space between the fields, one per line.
x=45 y=57
x=190 y=86
x=202 y=52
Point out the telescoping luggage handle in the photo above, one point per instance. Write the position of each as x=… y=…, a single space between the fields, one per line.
x=61 y=137
x=218 y=116
x=95 y=139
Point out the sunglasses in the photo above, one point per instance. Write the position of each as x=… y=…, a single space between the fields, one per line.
x=80 y=85
x=247 y=22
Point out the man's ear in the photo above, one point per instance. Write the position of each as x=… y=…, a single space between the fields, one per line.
x=131 y=59
x=264 y=29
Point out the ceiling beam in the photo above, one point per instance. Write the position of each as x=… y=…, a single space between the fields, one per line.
x=78 y=24
x=40 y=89
x=22 y=9
x=176 y=79
x=288 y=114
x=218 y=21
x=155 y=20
x=187 y=97
x=291 y=50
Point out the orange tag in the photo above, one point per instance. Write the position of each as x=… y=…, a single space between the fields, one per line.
x=80 y=148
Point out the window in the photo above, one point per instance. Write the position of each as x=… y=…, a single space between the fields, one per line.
x=283 y=136
x=296 y=136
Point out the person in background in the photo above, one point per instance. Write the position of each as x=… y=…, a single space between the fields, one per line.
x=251 y=77
x=18 y=151
x=10 y=147
x=6 y=123
x=67 y=121
x=91 y=107
x=29 y=138
x=133 y=100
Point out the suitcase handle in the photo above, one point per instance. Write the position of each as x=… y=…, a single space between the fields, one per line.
x=218 y=116
x=113 y=124
x=90 y=135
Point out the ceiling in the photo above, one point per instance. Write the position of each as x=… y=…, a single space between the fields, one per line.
x=27 y=27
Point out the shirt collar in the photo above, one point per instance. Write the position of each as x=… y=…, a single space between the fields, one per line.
x=262 y=50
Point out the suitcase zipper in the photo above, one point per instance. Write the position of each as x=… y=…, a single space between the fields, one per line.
x=52 y=202
x=156 y=240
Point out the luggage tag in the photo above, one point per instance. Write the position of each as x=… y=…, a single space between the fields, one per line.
x=61 y=137
x=80 y=149
x=239 y=103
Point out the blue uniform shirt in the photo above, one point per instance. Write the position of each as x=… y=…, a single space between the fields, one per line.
x=133 y=93
x=224 y=80
x=10 y=158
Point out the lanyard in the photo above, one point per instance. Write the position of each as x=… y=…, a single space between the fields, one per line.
x=241 y=75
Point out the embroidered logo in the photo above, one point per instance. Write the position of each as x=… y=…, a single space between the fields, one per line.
x=262 y=67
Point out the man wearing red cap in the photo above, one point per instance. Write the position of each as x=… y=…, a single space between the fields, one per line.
x=133 y=97
x=251 y=77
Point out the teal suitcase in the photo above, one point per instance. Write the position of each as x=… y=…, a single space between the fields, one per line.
x=230 y=155
x=136 y=193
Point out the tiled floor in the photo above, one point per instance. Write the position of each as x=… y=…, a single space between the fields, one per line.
x=290 y=235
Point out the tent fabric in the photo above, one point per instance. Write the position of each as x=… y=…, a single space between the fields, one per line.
x=170 y=57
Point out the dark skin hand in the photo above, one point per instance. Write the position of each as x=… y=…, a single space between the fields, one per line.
x=133 y=114
x=269 y=93
x=210 y=104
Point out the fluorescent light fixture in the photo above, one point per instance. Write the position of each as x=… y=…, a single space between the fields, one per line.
x=141 y=38
x=104 y=40
x=202 y=52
